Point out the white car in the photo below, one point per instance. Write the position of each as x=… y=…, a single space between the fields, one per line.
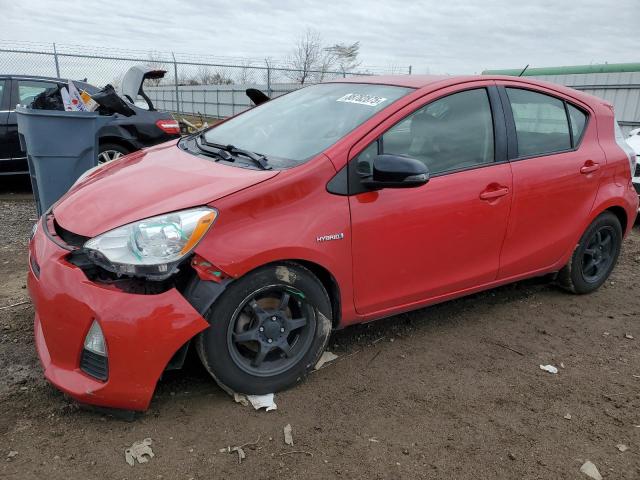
x=634 y=142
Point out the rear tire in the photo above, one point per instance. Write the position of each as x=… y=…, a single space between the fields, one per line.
x=595 y=256
x=267 y=330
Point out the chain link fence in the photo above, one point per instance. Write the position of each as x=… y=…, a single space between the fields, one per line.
x=194 y=84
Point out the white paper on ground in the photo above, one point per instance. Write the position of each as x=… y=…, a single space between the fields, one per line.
x=263 y=401
x=325 y=358
x=549 y=368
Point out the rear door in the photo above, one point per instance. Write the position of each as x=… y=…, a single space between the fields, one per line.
x=416 y=244
x=557 y=163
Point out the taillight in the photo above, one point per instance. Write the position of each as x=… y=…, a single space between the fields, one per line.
x=169 y=126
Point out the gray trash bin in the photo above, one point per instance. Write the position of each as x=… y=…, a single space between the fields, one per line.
x=60 y=146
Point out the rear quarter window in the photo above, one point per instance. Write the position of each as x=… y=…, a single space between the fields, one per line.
x=578 y=122
x=541 y=122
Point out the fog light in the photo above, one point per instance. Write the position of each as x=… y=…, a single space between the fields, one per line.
x=94 y=341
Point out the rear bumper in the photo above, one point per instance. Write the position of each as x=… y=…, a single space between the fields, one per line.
x=142 y=332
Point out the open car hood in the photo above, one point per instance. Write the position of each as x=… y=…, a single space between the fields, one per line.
x=143 y=184
x=132 y=81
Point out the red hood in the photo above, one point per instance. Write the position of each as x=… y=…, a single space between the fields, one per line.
x=147 y=183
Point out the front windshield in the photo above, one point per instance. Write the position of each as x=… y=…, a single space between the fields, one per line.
x=293 y=128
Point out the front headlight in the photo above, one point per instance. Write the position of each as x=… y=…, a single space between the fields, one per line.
x=152 y=247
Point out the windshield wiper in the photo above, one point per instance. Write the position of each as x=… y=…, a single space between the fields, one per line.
x=257 y=159
x=218 y=152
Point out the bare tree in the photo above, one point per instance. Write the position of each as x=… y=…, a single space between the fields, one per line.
x=345 y=56
x=244 y=76
x=205 y=76
x=310 y=61
x=306 y=57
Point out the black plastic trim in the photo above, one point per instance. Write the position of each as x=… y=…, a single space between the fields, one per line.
x=94 y=365
x=512 y=138
x=201 y=294
x=500 y=145
x=339 y=184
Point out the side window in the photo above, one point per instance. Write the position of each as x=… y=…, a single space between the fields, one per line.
x=578 y=122
x=451 y=133
x=541 y=122
x=28 y=90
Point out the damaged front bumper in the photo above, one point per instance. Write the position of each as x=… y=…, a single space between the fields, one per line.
x=142 y=331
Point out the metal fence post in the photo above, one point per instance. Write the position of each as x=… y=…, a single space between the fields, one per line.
x=409 y=69
x=55 y=59
x=269 y=80
x=175 y=76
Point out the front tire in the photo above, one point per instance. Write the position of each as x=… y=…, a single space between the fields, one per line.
x=267 y=330
x=595 y=256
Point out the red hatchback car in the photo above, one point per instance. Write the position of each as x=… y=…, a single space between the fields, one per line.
x=336 y=204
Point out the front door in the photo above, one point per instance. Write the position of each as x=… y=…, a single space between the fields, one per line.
x=416 y=244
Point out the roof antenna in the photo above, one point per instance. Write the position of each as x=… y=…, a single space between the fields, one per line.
x=523 y=70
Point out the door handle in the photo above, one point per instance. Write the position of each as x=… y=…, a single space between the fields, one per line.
x=589 y=167
x=494 y=193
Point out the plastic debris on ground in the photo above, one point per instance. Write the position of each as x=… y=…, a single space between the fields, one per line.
x=568 y=416
x=590 y=470
x=263 y=401
x=239 y=449
x=266 y=401
x=622 y=447
x=549 y=368
x=325 y=358
x=288 y=436
x=139 y=451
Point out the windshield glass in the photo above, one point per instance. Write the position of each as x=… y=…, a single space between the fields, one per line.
x=293 y=128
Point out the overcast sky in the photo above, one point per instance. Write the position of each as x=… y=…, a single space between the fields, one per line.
x=435 y=36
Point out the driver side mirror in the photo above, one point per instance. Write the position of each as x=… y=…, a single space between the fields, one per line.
x=396 y=171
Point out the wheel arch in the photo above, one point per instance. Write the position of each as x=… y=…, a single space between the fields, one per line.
x=621 y=214
x=329 y=283
x=123 y=142
x=322 y=273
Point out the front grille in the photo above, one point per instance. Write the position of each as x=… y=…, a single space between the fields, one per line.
x=637 y=187
x=637 y=174
x=95 y=365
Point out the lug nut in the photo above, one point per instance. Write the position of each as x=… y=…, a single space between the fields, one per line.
x=273 y=318
x=281 y=330
x=261 y=329
x=269 y=340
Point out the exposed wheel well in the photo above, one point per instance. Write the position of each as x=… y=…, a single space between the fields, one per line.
x=622 y=216
x=328 y=282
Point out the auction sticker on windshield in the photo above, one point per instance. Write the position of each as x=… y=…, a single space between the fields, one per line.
x=361 y=99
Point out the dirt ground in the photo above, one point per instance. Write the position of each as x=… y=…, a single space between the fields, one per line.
x=450 y=392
